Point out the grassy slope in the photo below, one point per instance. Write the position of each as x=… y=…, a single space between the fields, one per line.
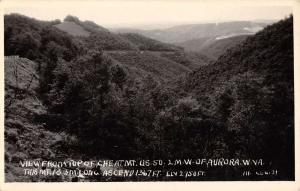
x=96 y=36
x=73 y=29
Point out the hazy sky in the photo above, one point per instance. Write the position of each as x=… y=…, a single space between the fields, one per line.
x=155 y=13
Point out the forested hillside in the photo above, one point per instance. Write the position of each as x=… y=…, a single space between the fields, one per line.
x=250 y=91
x=144 y=43
x=137 y=98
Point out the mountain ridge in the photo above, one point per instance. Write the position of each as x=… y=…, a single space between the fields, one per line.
x=182 y=33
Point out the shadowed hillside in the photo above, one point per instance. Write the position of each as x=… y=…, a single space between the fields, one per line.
x=250 y=91
x=269 y=53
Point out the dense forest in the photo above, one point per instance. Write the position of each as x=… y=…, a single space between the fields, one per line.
x=126 y=96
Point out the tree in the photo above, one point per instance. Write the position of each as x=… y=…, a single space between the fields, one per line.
x=118 y=75
x=25 y=42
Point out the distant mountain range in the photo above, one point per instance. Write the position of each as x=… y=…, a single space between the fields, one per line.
x=210 y=39
x=183 y=33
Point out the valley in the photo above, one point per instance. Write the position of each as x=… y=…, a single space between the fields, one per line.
x=74 y=90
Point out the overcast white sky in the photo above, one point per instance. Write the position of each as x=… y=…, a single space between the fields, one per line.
x=155 y=13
